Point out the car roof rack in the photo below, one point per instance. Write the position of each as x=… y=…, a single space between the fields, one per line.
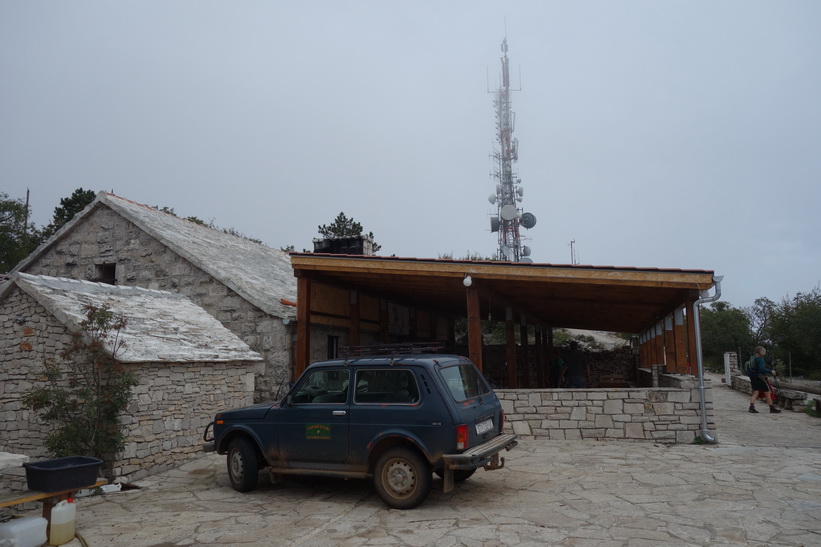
x=403 y=348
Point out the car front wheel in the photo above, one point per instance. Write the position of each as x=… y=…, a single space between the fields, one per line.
x=243 y=464
x=402 y=478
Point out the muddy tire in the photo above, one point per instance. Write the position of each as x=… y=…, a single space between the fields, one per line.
x=402 y=478
x=459 y=475
x=243 y=464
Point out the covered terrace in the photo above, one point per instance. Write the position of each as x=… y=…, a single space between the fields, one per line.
x=391 y=299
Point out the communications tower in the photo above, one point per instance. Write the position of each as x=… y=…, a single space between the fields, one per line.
x=508 y=197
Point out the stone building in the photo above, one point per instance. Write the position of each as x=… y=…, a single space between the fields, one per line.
x=187 y=363
x=248 y=287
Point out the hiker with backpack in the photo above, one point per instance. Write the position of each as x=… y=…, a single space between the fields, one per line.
x=757 y=371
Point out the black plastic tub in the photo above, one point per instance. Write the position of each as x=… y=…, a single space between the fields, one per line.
x=62 y=474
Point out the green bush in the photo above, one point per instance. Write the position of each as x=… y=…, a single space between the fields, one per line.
x=85 y=391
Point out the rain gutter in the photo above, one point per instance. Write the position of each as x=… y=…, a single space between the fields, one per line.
x=705 y=433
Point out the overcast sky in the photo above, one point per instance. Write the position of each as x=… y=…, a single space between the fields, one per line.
x=652 y=133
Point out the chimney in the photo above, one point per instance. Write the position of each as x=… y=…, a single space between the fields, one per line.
x=349 y=245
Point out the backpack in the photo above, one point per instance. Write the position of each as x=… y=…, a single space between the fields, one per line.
x=750 y=368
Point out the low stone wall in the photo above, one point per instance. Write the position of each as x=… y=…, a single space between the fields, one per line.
x=785 y=398
x=661 y=414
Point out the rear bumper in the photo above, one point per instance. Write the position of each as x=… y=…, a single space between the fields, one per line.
x=484 y=455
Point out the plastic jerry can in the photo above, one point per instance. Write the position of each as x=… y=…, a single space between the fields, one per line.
x=63 y=517
x=23 y=532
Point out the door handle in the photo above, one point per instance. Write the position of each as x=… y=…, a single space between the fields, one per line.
x=339 y=413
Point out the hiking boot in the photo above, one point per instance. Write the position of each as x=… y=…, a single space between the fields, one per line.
x=774 y=409
x=753 y=410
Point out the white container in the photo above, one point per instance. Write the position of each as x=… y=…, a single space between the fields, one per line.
x=63 y=517
x=23 y=532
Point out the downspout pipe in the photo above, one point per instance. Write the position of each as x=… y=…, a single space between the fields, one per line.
x=705 y=433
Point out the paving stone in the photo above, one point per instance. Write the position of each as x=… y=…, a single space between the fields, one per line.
x=761 y=485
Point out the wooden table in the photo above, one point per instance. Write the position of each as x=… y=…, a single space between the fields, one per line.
x=49 y=499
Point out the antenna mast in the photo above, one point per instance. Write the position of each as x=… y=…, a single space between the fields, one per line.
x=509 y=192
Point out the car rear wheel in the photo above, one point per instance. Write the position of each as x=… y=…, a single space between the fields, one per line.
x=402 y=478
x=243 y=464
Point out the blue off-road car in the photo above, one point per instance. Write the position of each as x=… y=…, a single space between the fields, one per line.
x=395 y=418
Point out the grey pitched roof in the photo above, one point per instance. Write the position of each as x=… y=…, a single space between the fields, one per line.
x=161 y=326
x=256 y=272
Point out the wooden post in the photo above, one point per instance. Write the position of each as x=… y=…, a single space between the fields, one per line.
x=474 y=327
x=642 y=348
x=659 y=356
x=528 y=377
x=303 y=325
x=669 y=345
x=354 y=337
x=384 y=321
x=510 y=331
x=540 y=358
x=681 y=341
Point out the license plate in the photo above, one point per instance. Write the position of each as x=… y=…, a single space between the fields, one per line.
x=484 y=427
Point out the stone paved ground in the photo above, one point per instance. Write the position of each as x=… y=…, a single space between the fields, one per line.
x=761 y=485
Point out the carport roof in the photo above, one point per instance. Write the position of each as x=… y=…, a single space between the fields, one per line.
x=608 y=298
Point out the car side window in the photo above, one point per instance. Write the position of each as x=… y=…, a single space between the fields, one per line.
x=324 y=386
x=389 y=386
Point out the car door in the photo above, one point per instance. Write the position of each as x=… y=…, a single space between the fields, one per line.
x=314 y=424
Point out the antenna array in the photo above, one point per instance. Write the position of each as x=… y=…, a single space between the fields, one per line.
x=509 y=191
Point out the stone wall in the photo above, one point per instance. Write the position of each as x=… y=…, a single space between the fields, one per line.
x=663 y=414
x=30 y=335
x=171 y=405
x=105 y=237
x=787 y=399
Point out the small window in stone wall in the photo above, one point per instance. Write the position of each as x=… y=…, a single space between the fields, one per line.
x=333 y=347
x=106 y=273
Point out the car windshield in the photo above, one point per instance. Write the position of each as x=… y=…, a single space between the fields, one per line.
x=464 y=381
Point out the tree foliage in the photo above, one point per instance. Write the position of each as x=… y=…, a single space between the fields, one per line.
x=789 y=330
x=18 y=237
x=86 y=390
x=760 y=316
x=796 y=332
x=470 y=255
x=343 y=226
x=68 y=208
x=724 y=328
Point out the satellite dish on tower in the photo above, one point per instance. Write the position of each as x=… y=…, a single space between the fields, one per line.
x=526 y=260
x=528 y=220
x=525 y=250
x=494 y=224
x=508 y=252
x=492 y=199
x=509 y=212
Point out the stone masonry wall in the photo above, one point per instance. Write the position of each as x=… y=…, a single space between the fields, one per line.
x=171 y=405
x=107 y=238
x=29 y=335
x=667 y=415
